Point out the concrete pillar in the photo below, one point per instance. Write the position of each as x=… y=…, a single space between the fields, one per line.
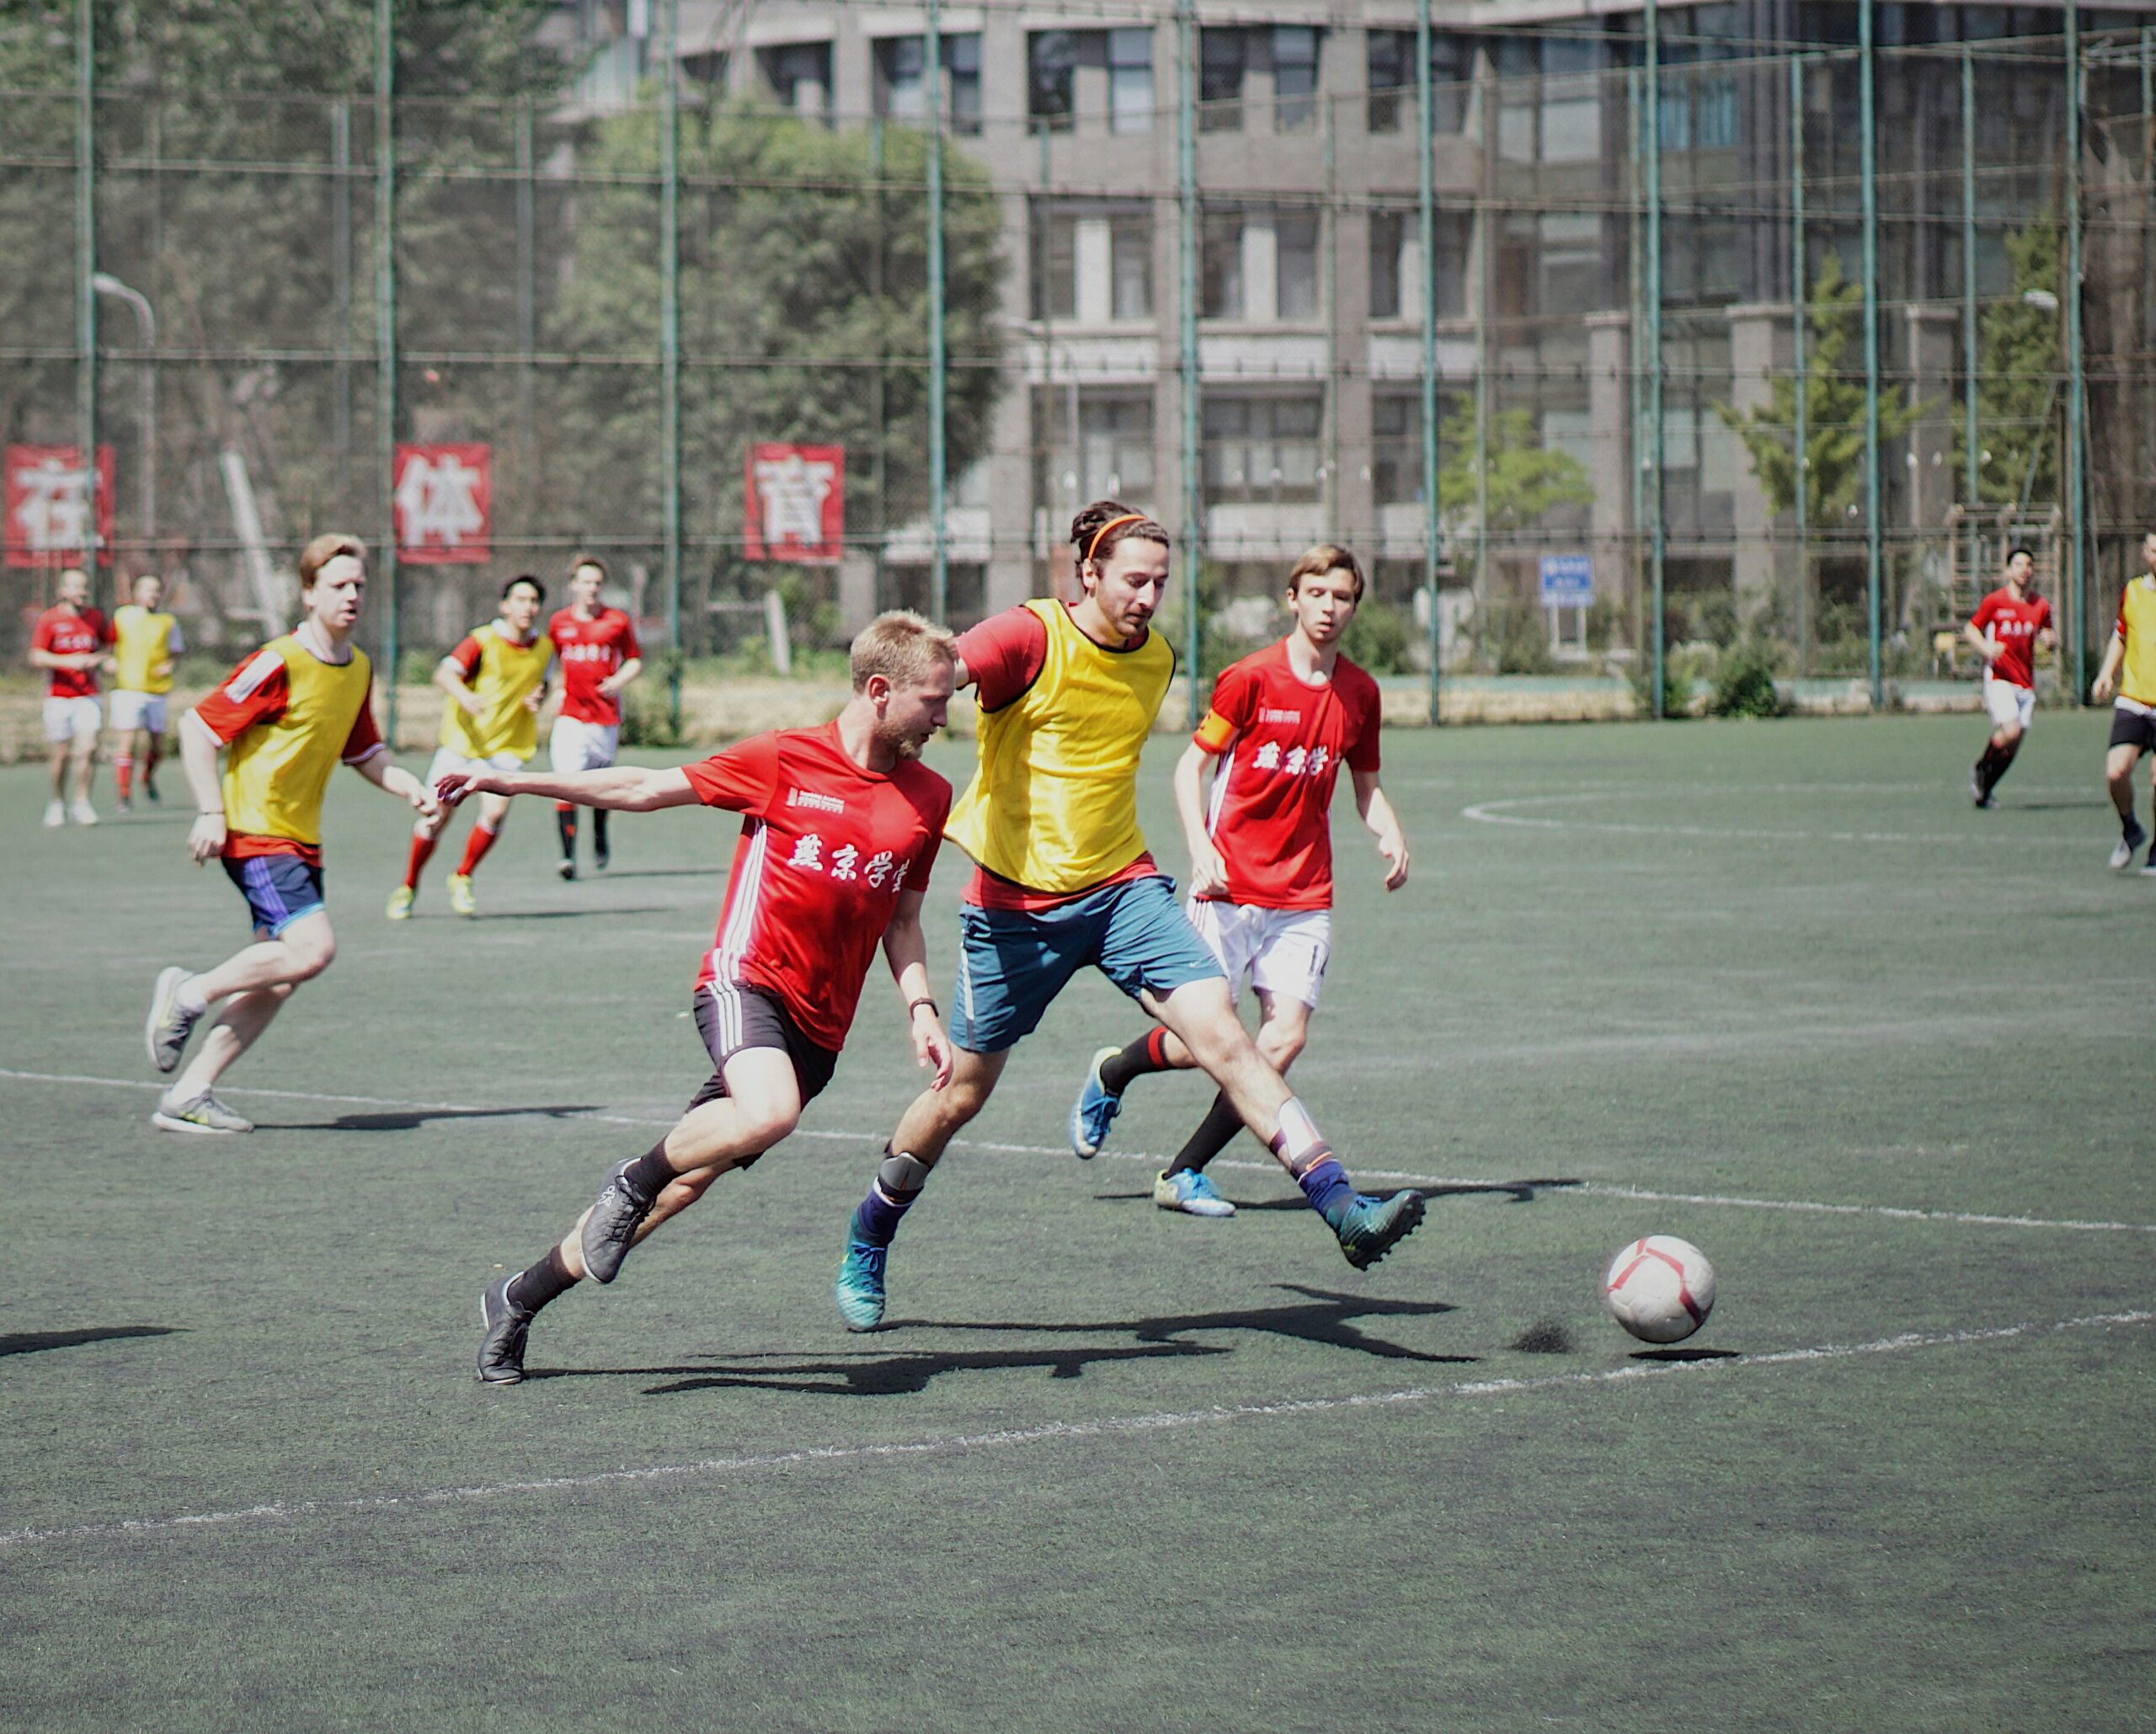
x=1609 y=413
x=1934 y=336
x=857 y=591
x=1759 y=346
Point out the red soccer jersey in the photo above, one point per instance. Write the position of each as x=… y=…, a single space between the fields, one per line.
x=61 y=634
x=590 y=651
x=826 y=848
x=1281 y=743
x=2015 y=626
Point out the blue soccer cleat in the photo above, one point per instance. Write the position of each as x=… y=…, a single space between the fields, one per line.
x=860 y=1287
x=1094 y=1112
x=1191 y=1192
x=1373 y=1227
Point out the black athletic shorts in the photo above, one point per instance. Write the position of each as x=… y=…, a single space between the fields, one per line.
x=731 y=1018
x=2130 y=729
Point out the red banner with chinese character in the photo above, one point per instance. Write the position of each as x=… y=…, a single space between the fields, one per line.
x=48 y=515
x=445 y=499
x=796 y=504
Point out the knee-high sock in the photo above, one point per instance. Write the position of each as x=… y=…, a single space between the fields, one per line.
x=565 y=823
x=476 y=847
x=422 y=847
x=599 y=828
x=1311 y=1160
x=898 y=1181
x=1214 y=1134
x=123 y=773
x=150 y=760
x=1148 y=1054
x=531 y=1289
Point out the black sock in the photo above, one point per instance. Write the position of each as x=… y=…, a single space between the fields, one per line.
x=651 y=1173
x=598 y=830
x=1214 y=1134
x=565 y=823
x=530 y=1290
x=1148 y=1054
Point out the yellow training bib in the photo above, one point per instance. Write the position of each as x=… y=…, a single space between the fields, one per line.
x=508 y=673
x=142 y=649
x=275 y=772
x=2137 y=614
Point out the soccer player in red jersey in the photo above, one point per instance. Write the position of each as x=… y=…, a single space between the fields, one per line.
x=1282 y=723
x=840 y=827
x=285 y=717
x=71 y=643
x=2007 y=626
x=596 y=649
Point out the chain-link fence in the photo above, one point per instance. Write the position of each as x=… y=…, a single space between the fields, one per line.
x=661 y=282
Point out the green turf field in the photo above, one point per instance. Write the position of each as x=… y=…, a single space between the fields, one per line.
x=1773 y=987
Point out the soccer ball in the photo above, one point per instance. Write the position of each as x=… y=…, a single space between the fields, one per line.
x=1659 y=1288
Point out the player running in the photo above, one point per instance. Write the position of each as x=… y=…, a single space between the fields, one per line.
x=71 y=643
x=2129 y=670
x=2007 y=626
x=839 y=826
x=1282 y=723
x=496 y=680
x=1068 y=695
x=285 y=717
x=597 y=648
x=145 y=641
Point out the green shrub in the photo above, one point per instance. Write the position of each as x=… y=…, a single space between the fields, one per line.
x=648 y=714
x=1744 y=685
x=1379 y=638
x=1676 y=683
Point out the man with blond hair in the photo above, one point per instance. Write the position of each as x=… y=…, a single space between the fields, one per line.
x=839 y=826
x=71 y=643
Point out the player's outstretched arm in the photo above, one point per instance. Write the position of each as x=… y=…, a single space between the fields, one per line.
x=394 y=779
x=619 y=788
x=1384 y=825
x=1193 y=778
x=197 y=758
x=905 y=948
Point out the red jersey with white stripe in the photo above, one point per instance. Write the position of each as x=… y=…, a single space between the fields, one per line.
x=2013 y=626
x=1281 y=743
x=62 y=632
x=826 y=848
x=590 y=651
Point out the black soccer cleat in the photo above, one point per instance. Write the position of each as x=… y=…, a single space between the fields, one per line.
x=1373 y=1227
x=565 y=867
x=610 y=1229
x=501 y=1350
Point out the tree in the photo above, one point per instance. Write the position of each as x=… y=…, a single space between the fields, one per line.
x=2019 y=360
x=1525 y=478
x=1834 y=409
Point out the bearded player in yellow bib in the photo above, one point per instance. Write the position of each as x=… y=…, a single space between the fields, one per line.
x=1067 y=699
x=494 y=682
x=283 y=717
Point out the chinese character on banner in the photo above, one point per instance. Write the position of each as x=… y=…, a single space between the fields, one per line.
x=796 y=504
x=48 y=515
x=445 y=504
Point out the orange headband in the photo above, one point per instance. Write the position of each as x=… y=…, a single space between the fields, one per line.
x=1127 y=518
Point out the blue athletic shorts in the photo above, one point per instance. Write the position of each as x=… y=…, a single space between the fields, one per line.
x=278 y=888
x=1013 y=963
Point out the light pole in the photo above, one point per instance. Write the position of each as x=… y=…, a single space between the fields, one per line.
x=106 y=284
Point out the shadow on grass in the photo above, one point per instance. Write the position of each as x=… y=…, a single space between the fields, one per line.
x=1686 y=1354
x=1520 y=1191
x=605 y=909
x=31 y=1342
x=410 y=1120
x=886 y=1376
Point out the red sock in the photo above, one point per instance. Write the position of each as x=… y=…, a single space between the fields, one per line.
x=123 y=773
x=422 y=847
x=476 y=847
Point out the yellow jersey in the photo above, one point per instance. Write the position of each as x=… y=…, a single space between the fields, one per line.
x=504 y=674
x=286 y=718
x=2136 y=631
x=1052 y=805
x=143 y=645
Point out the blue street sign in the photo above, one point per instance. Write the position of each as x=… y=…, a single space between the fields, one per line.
x=1567 y=581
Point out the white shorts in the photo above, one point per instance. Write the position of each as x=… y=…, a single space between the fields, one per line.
x=447 y=763
x=1283 y=951
x=73 y=719
x=2010 y=707
x=576 y=745
x=138 y=709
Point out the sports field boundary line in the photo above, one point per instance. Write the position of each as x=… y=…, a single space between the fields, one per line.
x=1107 y=1427
x=1580 y=1189
x=1492 y=811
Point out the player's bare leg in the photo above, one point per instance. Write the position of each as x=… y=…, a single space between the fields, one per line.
x=762 y=1107
x=250 y=986
x=2118 y=781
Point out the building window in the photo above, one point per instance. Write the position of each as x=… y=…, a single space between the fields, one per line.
x=1572 y=277
x=799 y=75
x=1221 y=59
x=1294 y=77
x=1220 y=265
x=1263 y=447
x=899 y=66
x=1130 y=80
x=1396 y=264
x=1130 y=264
x=1295 y=236
x=1052 y=80
x=1055 y=264
x=707 y=68
x=1391 y=80
x=1109 y=453
x=1092 y=261
x=1396 y=448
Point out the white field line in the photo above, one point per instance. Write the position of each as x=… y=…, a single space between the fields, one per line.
x=1107 y=1426
x=1593 y=1189
x=1502 y=812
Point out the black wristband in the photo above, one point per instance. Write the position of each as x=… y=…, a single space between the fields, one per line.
x=914 y=1005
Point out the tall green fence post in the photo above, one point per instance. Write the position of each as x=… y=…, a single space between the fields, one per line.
x=1972 y=457
x=1425 y=176
x=86 y=271
x=2076 y=485
x=1867 y=126
x=1194 y=495
x=1800 y=281
x=931 y=76
x=1657 y=549
x=669 y=343
x=385 y=339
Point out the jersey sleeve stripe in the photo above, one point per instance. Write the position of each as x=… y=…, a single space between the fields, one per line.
x=243 y=685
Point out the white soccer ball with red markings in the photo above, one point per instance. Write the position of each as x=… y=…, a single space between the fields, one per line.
x=1659 y=1288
